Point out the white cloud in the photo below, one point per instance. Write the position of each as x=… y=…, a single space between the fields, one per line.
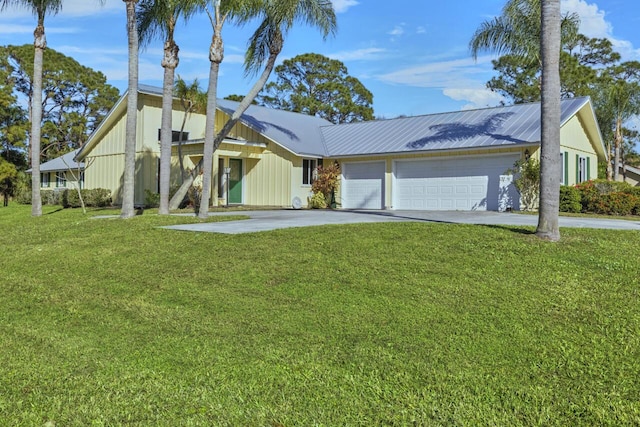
x=372 y=53
x=398 y=30
x=342 y=5
x=438 y=74
x=479 y=97
x=16 y=29
x=421 y=30
x=459 y=79
x=593 y=23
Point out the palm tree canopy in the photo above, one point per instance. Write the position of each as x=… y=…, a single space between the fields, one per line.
x=517 y=31
x=278 y=17
x=157 y=18
x=39 y=8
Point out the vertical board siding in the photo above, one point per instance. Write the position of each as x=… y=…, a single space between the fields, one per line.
x=575 y=142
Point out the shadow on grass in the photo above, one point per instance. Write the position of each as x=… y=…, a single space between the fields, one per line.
x=57 y=210
x=513 y=229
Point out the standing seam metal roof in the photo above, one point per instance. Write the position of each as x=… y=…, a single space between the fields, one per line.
x=500 y=126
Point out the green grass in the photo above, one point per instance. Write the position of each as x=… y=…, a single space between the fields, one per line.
x=119 y=322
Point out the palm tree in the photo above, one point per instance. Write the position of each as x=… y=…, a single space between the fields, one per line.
x=278 y=17
x=550 y=44
x=517 y=31
x=192 y=100
x=160 y=17
x=128 y=186
x=40 y=8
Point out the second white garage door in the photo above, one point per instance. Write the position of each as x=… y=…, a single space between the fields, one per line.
x=472 y=183
x=363 y=185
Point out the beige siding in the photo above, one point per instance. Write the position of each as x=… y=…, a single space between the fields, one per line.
x=105 y=172
x=575 y=142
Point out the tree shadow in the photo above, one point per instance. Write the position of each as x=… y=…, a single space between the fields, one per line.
x=458 y=131
x=512 y=228
x=258 y=125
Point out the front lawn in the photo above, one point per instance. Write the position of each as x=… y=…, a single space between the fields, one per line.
x=119 y=322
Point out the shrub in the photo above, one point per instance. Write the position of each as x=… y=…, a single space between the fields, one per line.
x=326 y=182
x=616 y=204
x=570 y=199
x=606 y=187
x=22 y=190
x=97 y=197
x=51 y=196
x=589 y=195
x=609 y=197
x=195 y=195
x=151 y=199
x=318 y=201
x=527 y=182
x=70 y=198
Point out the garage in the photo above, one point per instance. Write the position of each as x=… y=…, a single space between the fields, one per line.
x=469 y=183
x=363 y=185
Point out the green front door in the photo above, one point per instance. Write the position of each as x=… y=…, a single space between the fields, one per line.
x=235 y=181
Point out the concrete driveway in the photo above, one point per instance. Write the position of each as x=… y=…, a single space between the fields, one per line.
x=265 y=220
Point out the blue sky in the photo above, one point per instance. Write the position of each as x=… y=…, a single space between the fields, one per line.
x=412 y=55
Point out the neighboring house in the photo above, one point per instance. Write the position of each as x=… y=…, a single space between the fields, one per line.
x=450 y=161
x=629 y=174
x=62 y=172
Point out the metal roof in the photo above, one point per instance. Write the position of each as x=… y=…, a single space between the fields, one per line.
x=490 y=127
x=298 y=133
x=62 y=163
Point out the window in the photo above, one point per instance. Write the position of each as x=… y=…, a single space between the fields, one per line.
x=44 y=179
x=61 y=179
x=564 y=168
x=81 y=180
x=309 y=170
x=582 y=169
x=221 y=179
x=175 y=135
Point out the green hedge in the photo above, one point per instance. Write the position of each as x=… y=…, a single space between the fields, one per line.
x=570 y=199
x=68 y=197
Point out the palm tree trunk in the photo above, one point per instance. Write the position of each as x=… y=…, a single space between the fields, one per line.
x=169 y=62
x=616 y=149
x=128 y=188
x=209 y=135
x=548 y=228
x=242 y=107
x=40 y=44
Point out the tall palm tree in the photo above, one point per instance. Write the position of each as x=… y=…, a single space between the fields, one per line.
x=550 y=167
x=128 y=185
x=192 y=99
x=278 y=17
x=517 y=31
x=160 y=17
x=40 y=8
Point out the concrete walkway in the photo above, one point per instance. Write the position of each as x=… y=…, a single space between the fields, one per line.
x=265 y=220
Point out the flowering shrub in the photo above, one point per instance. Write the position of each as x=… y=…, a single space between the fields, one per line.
x=609 y=198
x=326 y=181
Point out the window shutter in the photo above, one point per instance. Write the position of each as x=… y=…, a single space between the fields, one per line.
x=588 y=168
x=566 y=168
x=577 y=169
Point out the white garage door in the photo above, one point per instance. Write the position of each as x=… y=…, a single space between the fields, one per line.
x=471 y=183
x=363 y=185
